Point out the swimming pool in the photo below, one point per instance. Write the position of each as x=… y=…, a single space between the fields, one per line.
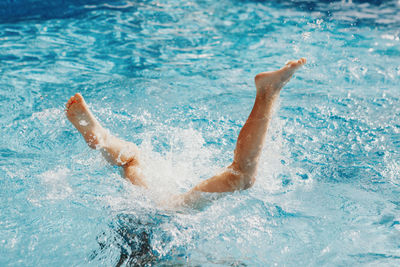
x=177 y=78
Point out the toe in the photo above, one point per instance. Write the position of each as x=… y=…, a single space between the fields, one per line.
x=79 y=99
x=69 y=102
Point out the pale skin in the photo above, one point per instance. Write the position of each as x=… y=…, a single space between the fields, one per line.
x=239 y=175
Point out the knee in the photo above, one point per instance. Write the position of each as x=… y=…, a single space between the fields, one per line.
x=242 y=180
x=131 y=162
x=246 y=176
x=248 y=182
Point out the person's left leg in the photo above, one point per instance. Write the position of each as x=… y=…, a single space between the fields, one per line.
x=116 y=151
x=241 y=173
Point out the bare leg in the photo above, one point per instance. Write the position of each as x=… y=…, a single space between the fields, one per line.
x=241 y=173
x=114 y=150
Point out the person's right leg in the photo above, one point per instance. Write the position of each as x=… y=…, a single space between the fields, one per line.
x=116 y=151
x=241 y=173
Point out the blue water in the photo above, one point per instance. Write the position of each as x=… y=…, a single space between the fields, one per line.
x=176 y=77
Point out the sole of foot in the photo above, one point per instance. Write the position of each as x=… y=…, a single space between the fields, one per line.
x=81 y=117
x=273 y=81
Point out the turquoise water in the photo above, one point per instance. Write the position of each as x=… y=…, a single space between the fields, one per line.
x=176 y=77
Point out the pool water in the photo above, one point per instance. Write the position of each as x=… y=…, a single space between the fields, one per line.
x=176 y=77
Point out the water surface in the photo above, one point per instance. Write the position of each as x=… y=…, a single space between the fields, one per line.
x=177 y=78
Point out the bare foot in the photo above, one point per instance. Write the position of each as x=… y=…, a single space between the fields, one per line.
x=271 y=82
x=79 y=115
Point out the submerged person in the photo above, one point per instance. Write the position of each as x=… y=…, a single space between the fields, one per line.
x=239 y=175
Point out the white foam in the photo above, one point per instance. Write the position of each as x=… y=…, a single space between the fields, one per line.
x=56 y=183
x=47 y=114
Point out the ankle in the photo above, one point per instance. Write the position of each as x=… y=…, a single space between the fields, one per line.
x=267 y=95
